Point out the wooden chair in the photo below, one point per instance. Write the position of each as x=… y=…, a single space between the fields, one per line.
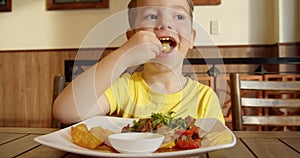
x=58 y=86
x=238 y=102
x=223 y=91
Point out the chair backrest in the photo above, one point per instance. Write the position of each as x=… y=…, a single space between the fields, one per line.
x=239 y=102
x=58 y=86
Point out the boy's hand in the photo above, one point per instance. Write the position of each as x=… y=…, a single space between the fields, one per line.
x=140 y=48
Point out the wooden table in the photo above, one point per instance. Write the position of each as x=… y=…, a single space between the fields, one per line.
x=18 y=142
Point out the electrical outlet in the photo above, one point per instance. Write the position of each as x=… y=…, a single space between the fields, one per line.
x=214 y=27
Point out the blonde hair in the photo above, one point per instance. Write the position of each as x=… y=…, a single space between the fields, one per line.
x=132 y=13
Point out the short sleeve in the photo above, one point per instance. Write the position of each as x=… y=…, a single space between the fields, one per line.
x=115 y=93
x=214 y=109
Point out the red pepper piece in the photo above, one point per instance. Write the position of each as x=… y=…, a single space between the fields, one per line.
x=190 y=131
x=187 y=144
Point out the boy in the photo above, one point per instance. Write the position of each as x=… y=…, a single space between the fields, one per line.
x=160 y=36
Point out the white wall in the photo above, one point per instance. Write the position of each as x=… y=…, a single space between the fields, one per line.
x=241 y=21
x=31 y=26
x=289 y=19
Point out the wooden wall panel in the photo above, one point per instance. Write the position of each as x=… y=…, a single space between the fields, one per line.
x=27 y=81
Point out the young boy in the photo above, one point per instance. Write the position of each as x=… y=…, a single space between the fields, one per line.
x=160 y=36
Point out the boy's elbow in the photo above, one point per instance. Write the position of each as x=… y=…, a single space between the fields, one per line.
x=57 y=112
x=61 y=113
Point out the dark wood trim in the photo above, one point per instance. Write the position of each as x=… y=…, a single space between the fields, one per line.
x=39 y=50
x=207 y=2
x=289 y=44
x=275 y=46
x=252 y=45
x=52 y=5
x=217 y=61
x=57 y=50
x=241 y=46
x=250 y=60
x=7 y=7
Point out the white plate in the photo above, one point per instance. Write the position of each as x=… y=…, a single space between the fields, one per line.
x=219 y=137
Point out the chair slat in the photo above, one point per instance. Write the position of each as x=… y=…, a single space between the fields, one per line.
x=271 y=103
x=272 y=120
x=270 y=85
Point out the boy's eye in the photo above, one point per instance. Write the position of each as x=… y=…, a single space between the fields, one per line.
x=179 y=17
x=151 y=17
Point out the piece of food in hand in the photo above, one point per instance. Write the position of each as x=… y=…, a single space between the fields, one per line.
x=83 y=137
x=102 y=134
x=166 y=47
x=168 y=44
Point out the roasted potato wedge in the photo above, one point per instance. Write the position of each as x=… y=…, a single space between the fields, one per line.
x=102 y=134
x=83 y=137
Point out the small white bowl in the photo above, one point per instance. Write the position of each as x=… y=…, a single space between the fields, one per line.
x=136 y=143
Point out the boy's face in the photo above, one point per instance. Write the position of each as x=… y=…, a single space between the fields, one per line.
x=168 y=20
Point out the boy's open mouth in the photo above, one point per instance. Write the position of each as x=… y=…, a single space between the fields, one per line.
x=168 y=43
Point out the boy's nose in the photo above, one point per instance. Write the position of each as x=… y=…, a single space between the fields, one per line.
x=165 y=25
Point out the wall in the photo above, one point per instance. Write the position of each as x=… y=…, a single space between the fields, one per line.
x=241 y=22
x=289 y=16
x=30 y=26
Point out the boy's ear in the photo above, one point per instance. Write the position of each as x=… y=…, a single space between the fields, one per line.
x=129 y=33
x=193 y=39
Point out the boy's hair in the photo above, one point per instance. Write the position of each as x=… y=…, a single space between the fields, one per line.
x=132 y=12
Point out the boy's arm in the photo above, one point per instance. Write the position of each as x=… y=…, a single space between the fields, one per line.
x=84 y=97
x=79 y=100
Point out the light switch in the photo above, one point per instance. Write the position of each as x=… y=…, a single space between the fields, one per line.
x=214 y=27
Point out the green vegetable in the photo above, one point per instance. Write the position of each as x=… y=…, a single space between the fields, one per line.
x=136 y=125
x=159 y=118
x=168 y=120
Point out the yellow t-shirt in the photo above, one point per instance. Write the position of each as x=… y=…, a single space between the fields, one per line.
x=131 y=97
